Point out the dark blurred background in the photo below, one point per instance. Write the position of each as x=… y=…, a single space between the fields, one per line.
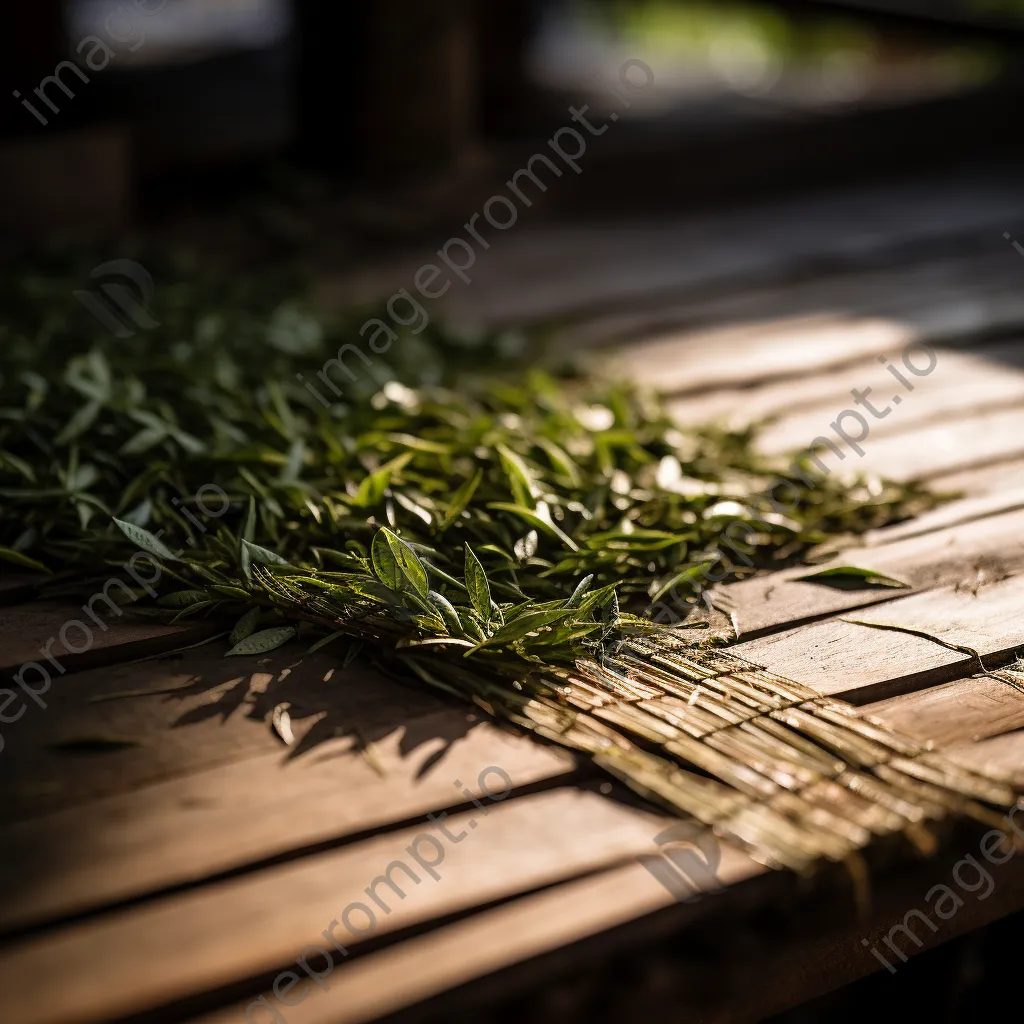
x=401 y=112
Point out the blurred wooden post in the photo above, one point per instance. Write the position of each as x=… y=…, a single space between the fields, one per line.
x=386 y=87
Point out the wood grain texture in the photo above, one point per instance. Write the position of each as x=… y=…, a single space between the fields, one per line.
x=860 y=663
x=562 y=949
x=189 y=829
x=28 y=632
x=800 y=408
x=181 y=946
x=1000 y=756
x=757 y=338
x=958 y=512
x=199 y=710
x=982 y=481
x=535 y=935
x=939 y=449
x=968 y=556
x=543 y=271
x=963 y=711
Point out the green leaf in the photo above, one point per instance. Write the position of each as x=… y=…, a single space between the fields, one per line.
x=253 y=553
x=526 y=623
x=561 y=461
x=541 y=522
x=146 y=541
x=324 y=641
x=461 y=499
x=385 y=562
x=477 y=585
x=520 y=478
x=249 y=527
x=448 y=613
x=263 y=641
x=244 y=627
x=82 y=420
x=183 y=598
x=851 y=577
x=409 y=562
x=17 y=558
x=660 y=589
x=579 y=592
x=372 y=489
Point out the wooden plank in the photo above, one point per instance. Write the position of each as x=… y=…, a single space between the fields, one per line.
x=614 y=940
x=981 y=376
x=980 y=481
x=28 y=632
x=963 y=711
x=862 y=664
x=790 y=335
x=186 y=830
x=1000 y=756
x=974 y=554
x=530 y=934
x=667 y=268
x=936 y=450
x=202 y=710
x=962 y=384
x=555 y=270
x=959 y=512
x=183 y=946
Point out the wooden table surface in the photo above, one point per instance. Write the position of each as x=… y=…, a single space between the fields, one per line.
x=174 y=879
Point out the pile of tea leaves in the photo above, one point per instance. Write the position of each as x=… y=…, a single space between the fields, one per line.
x=508 y=535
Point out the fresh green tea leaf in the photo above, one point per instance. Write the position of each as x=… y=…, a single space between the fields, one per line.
x=851 y=577
x=244 y=627
x=476 y=584
x=263 y=641
x=146 y=541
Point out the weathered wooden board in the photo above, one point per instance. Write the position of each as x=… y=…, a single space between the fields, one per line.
x=982 y=481
x=541 y=271
x=940 y=449
x=801 y=408
x=198 y=710
x=528 y=932
x=970 y=556
x=1000 y=756
x=957 y=512
x=861 y=663
x=963 y=711
x=191 y=828
x=181 y=946
x=935 y=304
x=29 y=633
x=962 y=384
x=733 y=970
